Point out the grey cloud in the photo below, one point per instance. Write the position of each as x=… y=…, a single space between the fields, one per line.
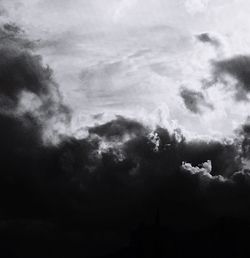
x=12 y=36
x=119 y=128
x=22 y=72
x=237 y=67
x=207 y=38
x=194 y=100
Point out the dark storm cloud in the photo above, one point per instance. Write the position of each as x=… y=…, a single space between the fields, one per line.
x=21 y=134
x=207 y=38
x=244 y=133
x=77 y=186
x=238 y=68
x=194 y=100
x=117 y=129
x=130 y=188
x=21 y=71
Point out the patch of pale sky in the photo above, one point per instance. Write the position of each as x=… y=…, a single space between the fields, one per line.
x=152 y=47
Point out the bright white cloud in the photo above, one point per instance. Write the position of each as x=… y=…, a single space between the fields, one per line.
x=131 y=57
x=196 y=6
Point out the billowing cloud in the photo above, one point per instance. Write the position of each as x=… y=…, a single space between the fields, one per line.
x=27 y=85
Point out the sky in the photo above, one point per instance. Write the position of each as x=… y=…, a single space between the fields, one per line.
x=133 y=58
x=124 y=128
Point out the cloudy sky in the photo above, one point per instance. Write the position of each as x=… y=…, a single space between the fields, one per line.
x=121 y=120
x=142 y=59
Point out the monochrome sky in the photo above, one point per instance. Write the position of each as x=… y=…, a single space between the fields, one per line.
x=112 y=111
x=154 y=61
